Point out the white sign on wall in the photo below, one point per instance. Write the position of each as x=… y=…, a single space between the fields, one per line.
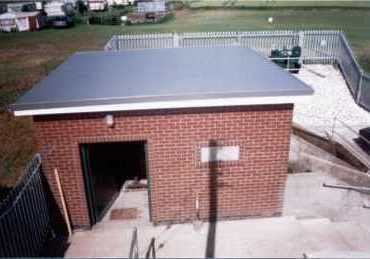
x=226 y=153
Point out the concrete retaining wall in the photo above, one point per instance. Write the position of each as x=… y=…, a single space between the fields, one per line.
x=305 y=156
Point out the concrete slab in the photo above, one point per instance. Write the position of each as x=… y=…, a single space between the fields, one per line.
x=131 y=199
x=323 y=235
x=305 y=197
x=357 y=237
x=338 y=254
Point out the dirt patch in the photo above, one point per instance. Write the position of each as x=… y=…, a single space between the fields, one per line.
x=24 y=63
x=124 y=214
x=179 y=13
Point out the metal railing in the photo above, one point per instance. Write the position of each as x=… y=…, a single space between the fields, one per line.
x=150 y=253
x=318 y=47
x=361 y=189
x=134 y=247
x=24 y=215
x=363 y=95
x=321 y=45
x=346 y=135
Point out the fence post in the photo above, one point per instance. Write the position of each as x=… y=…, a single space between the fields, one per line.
x=176 y=40
x=300 y=38
x=358 y=94
x=116 y=41
x=238 y=39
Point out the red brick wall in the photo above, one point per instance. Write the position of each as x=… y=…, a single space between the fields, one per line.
x=251 y=186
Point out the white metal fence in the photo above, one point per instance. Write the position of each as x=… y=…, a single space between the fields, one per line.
x=318 y=47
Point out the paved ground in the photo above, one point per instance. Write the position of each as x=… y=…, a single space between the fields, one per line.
x=315 y=220
x=306 y=198
x=132 y=199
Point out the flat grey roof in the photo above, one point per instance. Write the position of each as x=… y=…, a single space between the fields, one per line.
x=100 y=78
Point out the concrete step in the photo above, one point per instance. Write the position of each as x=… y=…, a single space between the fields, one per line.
x=121 y=224
x=262 y=238
x=356 y=236
x=338 y=254
x=284 y=237
x=323 y=235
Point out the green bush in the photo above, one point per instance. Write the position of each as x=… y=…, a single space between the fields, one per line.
x=166 y=18
x=176 y=5
x=105 y=19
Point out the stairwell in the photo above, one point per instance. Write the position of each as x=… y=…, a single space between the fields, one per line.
x=272 y=237
x=331 y=112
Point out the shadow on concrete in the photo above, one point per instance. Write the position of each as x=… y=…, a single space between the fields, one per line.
x=212 y=212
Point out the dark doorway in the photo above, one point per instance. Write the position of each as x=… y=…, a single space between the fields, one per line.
x=106 y=168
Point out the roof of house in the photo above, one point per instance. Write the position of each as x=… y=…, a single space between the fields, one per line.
x=160 y=78
x=17 y=15
x=152 y=6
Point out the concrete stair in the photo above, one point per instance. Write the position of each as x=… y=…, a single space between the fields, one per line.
x=356 y=236
x=336 y=239
x=267 y=237
x=323 y=235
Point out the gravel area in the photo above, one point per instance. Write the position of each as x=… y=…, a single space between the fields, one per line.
x=331 y=99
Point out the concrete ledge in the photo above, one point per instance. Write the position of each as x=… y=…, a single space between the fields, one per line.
x=305 y=156
x=343 y=173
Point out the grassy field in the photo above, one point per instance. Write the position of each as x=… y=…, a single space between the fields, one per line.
x=26 y=58
x=277 y=3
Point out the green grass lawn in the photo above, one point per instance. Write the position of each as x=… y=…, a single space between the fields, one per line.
x=277 y=3
x=27 y=57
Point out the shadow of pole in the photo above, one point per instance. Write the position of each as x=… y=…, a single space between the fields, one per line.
x=212 y=213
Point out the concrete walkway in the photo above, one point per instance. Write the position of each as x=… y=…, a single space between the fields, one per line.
x=272 y=237
x=315 y=220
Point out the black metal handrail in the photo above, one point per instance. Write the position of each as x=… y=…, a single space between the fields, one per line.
x=134 y=247
x=150 y=253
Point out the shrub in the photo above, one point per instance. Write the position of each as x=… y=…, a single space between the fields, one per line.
x=176 y=5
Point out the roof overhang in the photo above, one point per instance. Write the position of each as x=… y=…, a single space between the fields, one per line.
x=220 y=102
x=161 y=79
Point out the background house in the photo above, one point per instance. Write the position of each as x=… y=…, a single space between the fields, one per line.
x=97 y=5
x=22 y=7
x=157 y=6
x=21 y=21
x=149 y=11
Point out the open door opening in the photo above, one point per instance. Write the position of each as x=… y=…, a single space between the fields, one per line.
x=107 y=166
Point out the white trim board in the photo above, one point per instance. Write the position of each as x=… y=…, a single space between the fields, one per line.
x=220 y=102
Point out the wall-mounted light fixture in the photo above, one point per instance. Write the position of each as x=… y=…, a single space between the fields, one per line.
x=109 y=120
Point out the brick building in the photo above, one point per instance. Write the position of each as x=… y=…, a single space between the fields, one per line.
x=208 y=128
